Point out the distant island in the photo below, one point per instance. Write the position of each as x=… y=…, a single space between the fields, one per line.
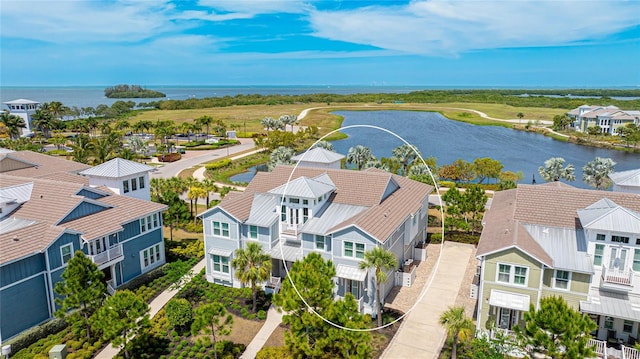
x=131 y=91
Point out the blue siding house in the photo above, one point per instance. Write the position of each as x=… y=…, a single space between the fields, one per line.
x=340 y=214
x=48 y=211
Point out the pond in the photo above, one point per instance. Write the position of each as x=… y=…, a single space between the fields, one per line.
x=448 y=140
x=248 y=175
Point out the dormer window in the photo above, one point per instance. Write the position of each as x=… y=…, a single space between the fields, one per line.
x=619 y=239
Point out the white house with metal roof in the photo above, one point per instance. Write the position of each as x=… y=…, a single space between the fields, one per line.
x=557 y=240
x=123 y=177
x=607 y=118
x=24 y=109
x=294 y=212
x=626 y=181
x=319 y=158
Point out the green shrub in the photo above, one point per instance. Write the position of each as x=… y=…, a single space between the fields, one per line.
x=262 y=315
x=436 y=238
x=273 y=353
x=226 y=162
x=179 y=312
x=447 y=184
x=34 y=334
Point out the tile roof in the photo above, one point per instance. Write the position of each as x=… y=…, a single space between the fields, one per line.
x=548 y=205
x=117 y=167
x=39 y=165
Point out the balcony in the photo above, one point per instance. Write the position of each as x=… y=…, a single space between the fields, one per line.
x=616 y=279
x=108 y=257
x=273 y=285
x=289 y=231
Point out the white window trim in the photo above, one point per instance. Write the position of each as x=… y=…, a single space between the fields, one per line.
x=249 y=233
x=555 y=278
x=62 y=254
x=315 y=243
x=354 y=256
x=221 y=231
x=512 y=274
x=156 y=261
x=220 y=273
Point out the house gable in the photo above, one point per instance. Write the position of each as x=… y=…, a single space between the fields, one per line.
x=84 y=208
x=91 y=193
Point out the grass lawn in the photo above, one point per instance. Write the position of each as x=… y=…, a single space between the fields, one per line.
x=182 y=235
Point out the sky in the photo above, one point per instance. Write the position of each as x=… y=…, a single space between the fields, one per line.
x=508 y=43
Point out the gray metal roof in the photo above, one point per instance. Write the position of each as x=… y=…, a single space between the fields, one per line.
x=21 y=101
x=221 y=252
x=626 y=178
x=324 y=178
x=318 y=155
x=10 y=224
x=303 y=187
x=349 y=272
x=612 y=304
x=263 y=210
x=608 y=216
x=558 y=242
x=117 y=167
x=20 y=193
x=330 y=215
x=286 y=251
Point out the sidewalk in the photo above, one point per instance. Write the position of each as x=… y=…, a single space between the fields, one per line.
x=154 y=307
x=420 y=334
x=274 y=318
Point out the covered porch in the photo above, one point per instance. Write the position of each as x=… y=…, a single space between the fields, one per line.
x=617 y=316
x=353 y=280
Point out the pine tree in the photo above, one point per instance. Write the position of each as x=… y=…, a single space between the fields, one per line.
x=213 y=319
x=82 y=288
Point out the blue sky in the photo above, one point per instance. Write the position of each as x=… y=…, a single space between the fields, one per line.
x=330 y=42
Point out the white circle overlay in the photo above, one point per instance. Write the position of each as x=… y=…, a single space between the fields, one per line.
x=435 y=268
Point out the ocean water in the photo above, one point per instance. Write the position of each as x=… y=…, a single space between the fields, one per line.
x=85 y=96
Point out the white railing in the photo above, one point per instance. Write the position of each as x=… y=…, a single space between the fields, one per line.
x=274 y=283
x=630 y=353
x=289 y=229
x=110 y=254
x=617 y=276
x=600 y=347
x=111 y=287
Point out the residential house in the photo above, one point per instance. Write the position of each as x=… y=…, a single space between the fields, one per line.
x=608 y=118
x=340 y=214
x=626 y=181
x=554 y=239
x=319 y=158
x=24 y=109
x=48 y=210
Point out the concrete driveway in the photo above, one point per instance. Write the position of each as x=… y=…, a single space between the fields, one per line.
x=420 y=335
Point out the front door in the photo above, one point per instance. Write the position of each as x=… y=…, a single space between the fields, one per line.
x=507 y=318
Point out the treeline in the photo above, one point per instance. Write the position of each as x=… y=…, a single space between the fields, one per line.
x=507 y=97
x=131 y=91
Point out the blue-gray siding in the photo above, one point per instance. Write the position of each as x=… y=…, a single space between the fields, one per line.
x=131 y=264
x=23 y=306
x=24 y=268
x=83 y=209
x=55 y=256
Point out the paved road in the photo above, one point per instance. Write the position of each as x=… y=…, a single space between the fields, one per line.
x=420 y=335
x=193 y=158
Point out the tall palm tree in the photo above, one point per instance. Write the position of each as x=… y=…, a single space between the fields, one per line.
x=82 y=147
x=252 y=266
x=204 y=121
x=554 y=170
x=196 y=192
x=209 y=185
x=359 y=156
x=13 y=123
x=596 y=173
x=458 y=326
x=381 y=261
x=45 y=122
x=406 y=154
x=268 y=123
x=57 y=109
x=104 y=147
x=157 y=187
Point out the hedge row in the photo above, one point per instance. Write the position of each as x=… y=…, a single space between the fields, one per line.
x=218 y=164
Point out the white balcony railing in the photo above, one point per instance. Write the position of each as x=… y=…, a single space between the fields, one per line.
x=630 y=353
x=289 y=229
x=109 y=255
x=617 y=276
x=599 y=346
x=274 y=284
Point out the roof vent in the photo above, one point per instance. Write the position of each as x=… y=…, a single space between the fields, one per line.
x=15 y=238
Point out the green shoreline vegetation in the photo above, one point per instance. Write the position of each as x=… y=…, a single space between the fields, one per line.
x=131 y=91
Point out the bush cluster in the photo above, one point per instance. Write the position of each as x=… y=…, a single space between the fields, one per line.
x=218 y=164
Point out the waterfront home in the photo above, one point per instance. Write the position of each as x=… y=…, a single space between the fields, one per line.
x=24 y=109
x=338 y=213
x=626 y=181
x=608 y=118
x=319 y=157
x=554 y=239
x=49 y=210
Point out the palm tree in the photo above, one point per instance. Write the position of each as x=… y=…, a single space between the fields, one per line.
x=204 y=121
x=324 y=144
x=44 y=121
x=406 y=154
x=82 y=148
x=157 y=187
x=57 y=109
x=13 y=123
x=596 y=173
x=252 y=266
x=359 y=156
x=458 y=326
x=105 y=147
x=554 y=170
x=268 y=123
x=210 y=186
x=381 y=260
x=280 y=156
x=196 y=192
x=187 y=183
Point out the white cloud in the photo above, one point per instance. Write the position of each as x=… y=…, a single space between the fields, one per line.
x=437 y=27
x=254 y=7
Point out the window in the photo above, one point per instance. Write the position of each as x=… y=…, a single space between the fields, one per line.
x=636 y=259
x=134 y=184
x=143 y=225
x=155 y=220
x=283 y=213
x=355 y=250
x=221 y=229
x=294 y=200
x=150 y=256
x=600 y=237
x=305 y=214
x=618 y=258
x=141 y=182
x=516 y=276
x=125 y=186
x=149 y=223
x=320 y=245
x=220 y=264
x=608 y=322
x=353 y=287
x=305 y=201
x=597 y=257
x=66 y=252
x=562 y=279
x=319 y=199
x=627 y=327
x=253 y=232
x=619 y=239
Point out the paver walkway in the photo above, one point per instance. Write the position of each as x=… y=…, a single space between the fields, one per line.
x=420 y=335
x=274 y=318
x=154 y=307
